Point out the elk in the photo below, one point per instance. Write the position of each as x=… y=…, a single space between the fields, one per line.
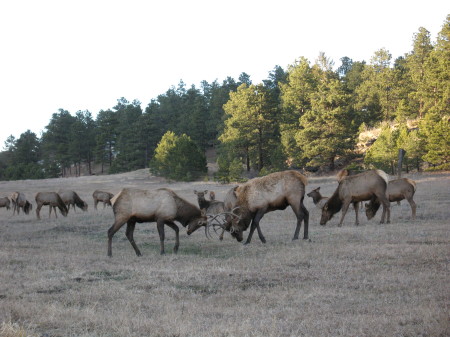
x=71 y=198
x=5 y=202
x=212 y=207
x=251 y=200
x=53 y=200
x=397 y=190
x=162 y=206
x=101 y=196
x=318 y=199
x=20 y=201
x=354 y=189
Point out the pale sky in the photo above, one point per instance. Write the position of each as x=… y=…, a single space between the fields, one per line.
x=84 y=55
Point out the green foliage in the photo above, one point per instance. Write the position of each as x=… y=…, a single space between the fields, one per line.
x=178 y=158
x=436 y=133
x=384 y=152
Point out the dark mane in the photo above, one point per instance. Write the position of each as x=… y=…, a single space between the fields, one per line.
x=334 y=203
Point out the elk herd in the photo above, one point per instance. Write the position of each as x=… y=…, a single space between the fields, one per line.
x=243 y=206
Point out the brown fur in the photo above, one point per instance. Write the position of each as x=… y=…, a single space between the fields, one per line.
x=20 y=201
x=318 y=199
x=397 y=190
x=211 y=207
x=259 y=196
x=53 y=200
x=5 y=202
x=71 y=198
x=354 y=189
x=162 y=206
x=101 y=196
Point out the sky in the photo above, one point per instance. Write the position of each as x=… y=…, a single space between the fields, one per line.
x=85 y=55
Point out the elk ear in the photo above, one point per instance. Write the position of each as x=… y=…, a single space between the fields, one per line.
x=203 y=211
x=318 y=188
x=195 y=191
x=325 y=207
x=206 y=191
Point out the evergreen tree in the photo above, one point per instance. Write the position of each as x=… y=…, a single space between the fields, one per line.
x=325 y=129
x=384 y=152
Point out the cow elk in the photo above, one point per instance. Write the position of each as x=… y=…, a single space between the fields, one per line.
x=52 y=200
x=101 y=196
x=20 y=201
x=354 y=189
x=5 y=202
x=162 y=206
x=71 y=198
x=318 y=199
x=397 y=190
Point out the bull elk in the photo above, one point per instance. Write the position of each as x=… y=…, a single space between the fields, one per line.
x=353 y=189
x=52 y=200
x=397 y=190
x=71 y=198
x=162 y=206
x=276 y=191
x=102 y=196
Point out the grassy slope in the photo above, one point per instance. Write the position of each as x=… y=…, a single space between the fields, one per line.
x=371 y=280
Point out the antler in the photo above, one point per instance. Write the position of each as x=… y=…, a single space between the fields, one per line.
x=219 y=220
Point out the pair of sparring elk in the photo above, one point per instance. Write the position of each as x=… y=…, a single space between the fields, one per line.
x=246 y=204
x=19 y=201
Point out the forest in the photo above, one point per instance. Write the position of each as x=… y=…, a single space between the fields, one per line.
x=309 y=116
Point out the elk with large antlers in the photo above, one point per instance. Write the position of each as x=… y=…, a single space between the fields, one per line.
x=247 y=203
x=162 y=206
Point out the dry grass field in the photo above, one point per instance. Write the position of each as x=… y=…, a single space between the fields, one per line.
x=370 y=280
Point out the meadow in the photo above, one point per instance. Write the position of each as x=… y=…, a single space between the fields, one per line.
x=368 y=280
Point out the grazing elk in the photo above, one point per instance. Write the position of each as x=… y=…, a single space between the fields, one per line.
x=20 y=201
x=354 y=189
x=53 y=200
x=212 y=207
x=276 y=191
x=318 y=199
x=71 y=198
x=101 y=196
x=397 y=190
x=5 y=202
x=162 y=206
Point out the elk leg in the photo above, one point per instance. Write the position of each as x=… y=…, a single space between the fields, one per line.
x=345 y=206
x=131 y=224
x=255 y=225
x=38 y=210
x=177 y=235
x=111 y=231
x=386 y=208
x=95 y=204
x=301 y=214
x=356 y=207
x=413 y=207
x=160 y=226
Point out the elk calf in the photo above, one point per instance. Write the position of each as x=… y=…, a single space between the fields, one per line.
x=101 y=196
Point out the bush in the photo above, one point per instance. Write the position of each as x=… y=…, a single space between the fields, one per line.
x=178 y=158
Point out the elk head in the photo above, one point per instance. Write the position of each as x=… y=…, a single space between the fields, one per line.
x=197 y=222
x=327 y=214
